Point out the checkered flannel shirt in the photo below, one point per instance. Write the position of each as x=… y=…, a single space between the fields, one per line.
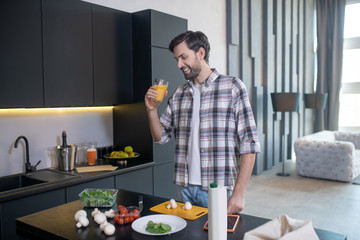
x=227 y=129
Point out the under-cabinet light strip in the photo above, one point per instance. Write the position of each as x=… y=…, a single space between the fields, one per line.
x=4 y=110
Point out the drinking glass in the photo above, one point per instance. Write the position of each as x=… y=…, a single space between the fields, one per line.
x=161 y=86
x=91 y=155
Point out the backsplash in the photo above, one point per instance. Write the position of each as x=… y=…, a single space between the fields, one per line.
x=43 y=127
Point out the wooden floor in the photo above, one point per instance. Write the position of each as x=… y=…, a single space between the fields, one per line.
x=331 y=205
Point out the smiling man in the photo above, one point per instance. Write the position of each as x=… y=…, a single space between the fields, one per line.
x=212 y=121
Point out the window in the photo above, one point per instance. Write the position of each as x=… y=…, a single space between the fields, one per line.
x=349 y=119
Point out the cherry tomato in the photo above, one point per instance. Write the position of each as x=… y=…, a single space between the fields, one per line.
x=135 y=211
x=136 y=216
x=120 y=207
x=123 y=212
x=121 y=221
x=127 y=219
x=132 y=218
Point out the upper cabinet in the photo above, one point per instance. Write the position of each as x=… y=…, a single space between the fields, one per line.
x=152 y=33
x=112 y=56
x=21 y=76
x=68 y=70
x=62 y=53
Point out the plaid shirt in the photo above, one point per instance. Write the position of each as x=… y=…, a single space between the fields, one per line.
x=227 y=129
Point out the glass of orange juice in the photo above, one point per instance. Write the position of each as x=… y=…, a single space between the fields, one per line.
x=161 y=87
x=91 y=156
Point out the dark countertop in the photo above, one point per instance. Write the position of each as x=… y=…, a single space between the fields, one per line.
x=60 y=179
x=59 y=223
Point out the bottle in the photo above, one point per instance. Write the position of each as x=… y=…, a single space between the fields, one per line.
x=64 y=143
x=217 y=212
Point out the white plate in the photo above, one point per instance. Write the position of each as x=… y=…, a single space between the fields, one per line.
x=176 y=223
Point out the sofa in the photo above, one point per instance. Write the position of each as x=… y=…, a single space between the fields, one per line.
x=329 y=155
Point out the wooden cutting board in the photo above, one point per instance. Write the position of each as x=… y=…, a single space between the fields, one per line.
x=194 y=213
x=96 y=168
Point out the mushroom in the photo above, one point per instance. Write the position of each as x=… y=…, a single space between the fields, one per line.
x=109 y=229
x=99 y=218
x=110 y=213
x=187 y=206
x=102 y=226
x=96 y=210
x=173 y=203
x=82 y=221
x=80 y=213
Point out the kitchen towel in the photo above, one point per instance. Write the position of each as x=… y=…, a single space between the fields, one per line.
x=283 y=228
x=96 y=168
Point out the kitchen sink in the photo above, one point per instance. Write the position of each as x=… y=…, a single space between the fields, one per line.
x=18 y=181
x=52 y=175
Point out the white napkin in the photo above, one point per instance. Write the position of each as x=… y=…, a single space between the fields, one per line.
x=283 y=228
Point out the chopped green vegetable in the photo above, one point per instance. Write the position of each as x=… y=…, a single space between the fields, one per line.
x=157 y=227
x=97 y=198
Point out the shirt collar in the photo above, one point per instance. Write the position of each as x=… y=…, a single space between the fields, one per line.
x=210 y=80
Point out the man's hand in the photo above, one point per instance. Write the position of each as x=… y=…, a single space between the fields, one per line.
x=235 y=204
x=151 y=107
x=149 y=96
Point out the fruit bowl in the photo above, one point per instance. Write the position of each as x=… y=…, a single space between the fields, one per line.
x=107 y=156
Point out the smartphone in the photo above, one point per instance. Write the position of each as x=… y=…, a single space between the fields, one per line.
x=232 y=221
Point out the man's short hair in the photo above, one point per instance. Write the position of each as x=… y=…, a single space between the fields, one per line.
x=194 y=41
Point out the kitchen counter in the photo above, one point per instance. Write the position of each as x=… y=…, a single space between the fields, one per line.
x=59 y=223
x=69 y=178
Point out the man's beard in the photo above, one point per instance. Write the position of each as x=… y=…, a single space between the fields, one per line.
x=194 y=72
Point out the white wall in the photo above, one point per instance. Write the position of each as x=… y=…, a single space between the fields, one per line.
x=208 y=16
x=43 y=127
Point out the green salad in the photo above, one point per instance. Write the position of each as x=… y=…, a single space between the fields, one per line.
x=97 y=198
x=157 y=227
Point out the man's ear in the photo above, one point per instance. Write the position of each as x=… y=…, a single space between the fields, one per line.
x=201 y=53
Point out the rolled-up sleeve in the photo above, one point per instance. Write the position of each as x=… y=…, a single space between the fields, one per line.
x=246 y=126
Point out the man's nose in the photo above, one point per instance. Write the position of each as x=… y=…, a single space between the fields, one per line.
x=180 y=64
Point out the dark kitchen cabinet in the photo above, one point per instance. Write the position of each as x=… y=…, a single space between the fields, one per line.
x=87 y=54
x=24 y=206
x=67 y=37
x=152 y=33
x=112 y=56
x=163 y=184
x=21 y=76
x=140 y=181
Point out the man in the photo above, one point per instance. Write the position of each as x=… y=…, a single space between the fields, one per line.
x=213 y=124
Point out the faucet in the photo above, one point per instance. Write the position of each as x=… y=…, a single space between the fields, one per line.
x=28 y=167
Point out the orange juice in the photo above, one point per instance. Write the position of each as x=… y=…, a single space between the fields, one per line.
x=91 y=156
x=161 y=89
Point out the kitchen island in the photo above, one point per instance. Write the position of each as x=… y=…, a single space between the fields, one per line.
x=64 y=187
x=59 y=223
